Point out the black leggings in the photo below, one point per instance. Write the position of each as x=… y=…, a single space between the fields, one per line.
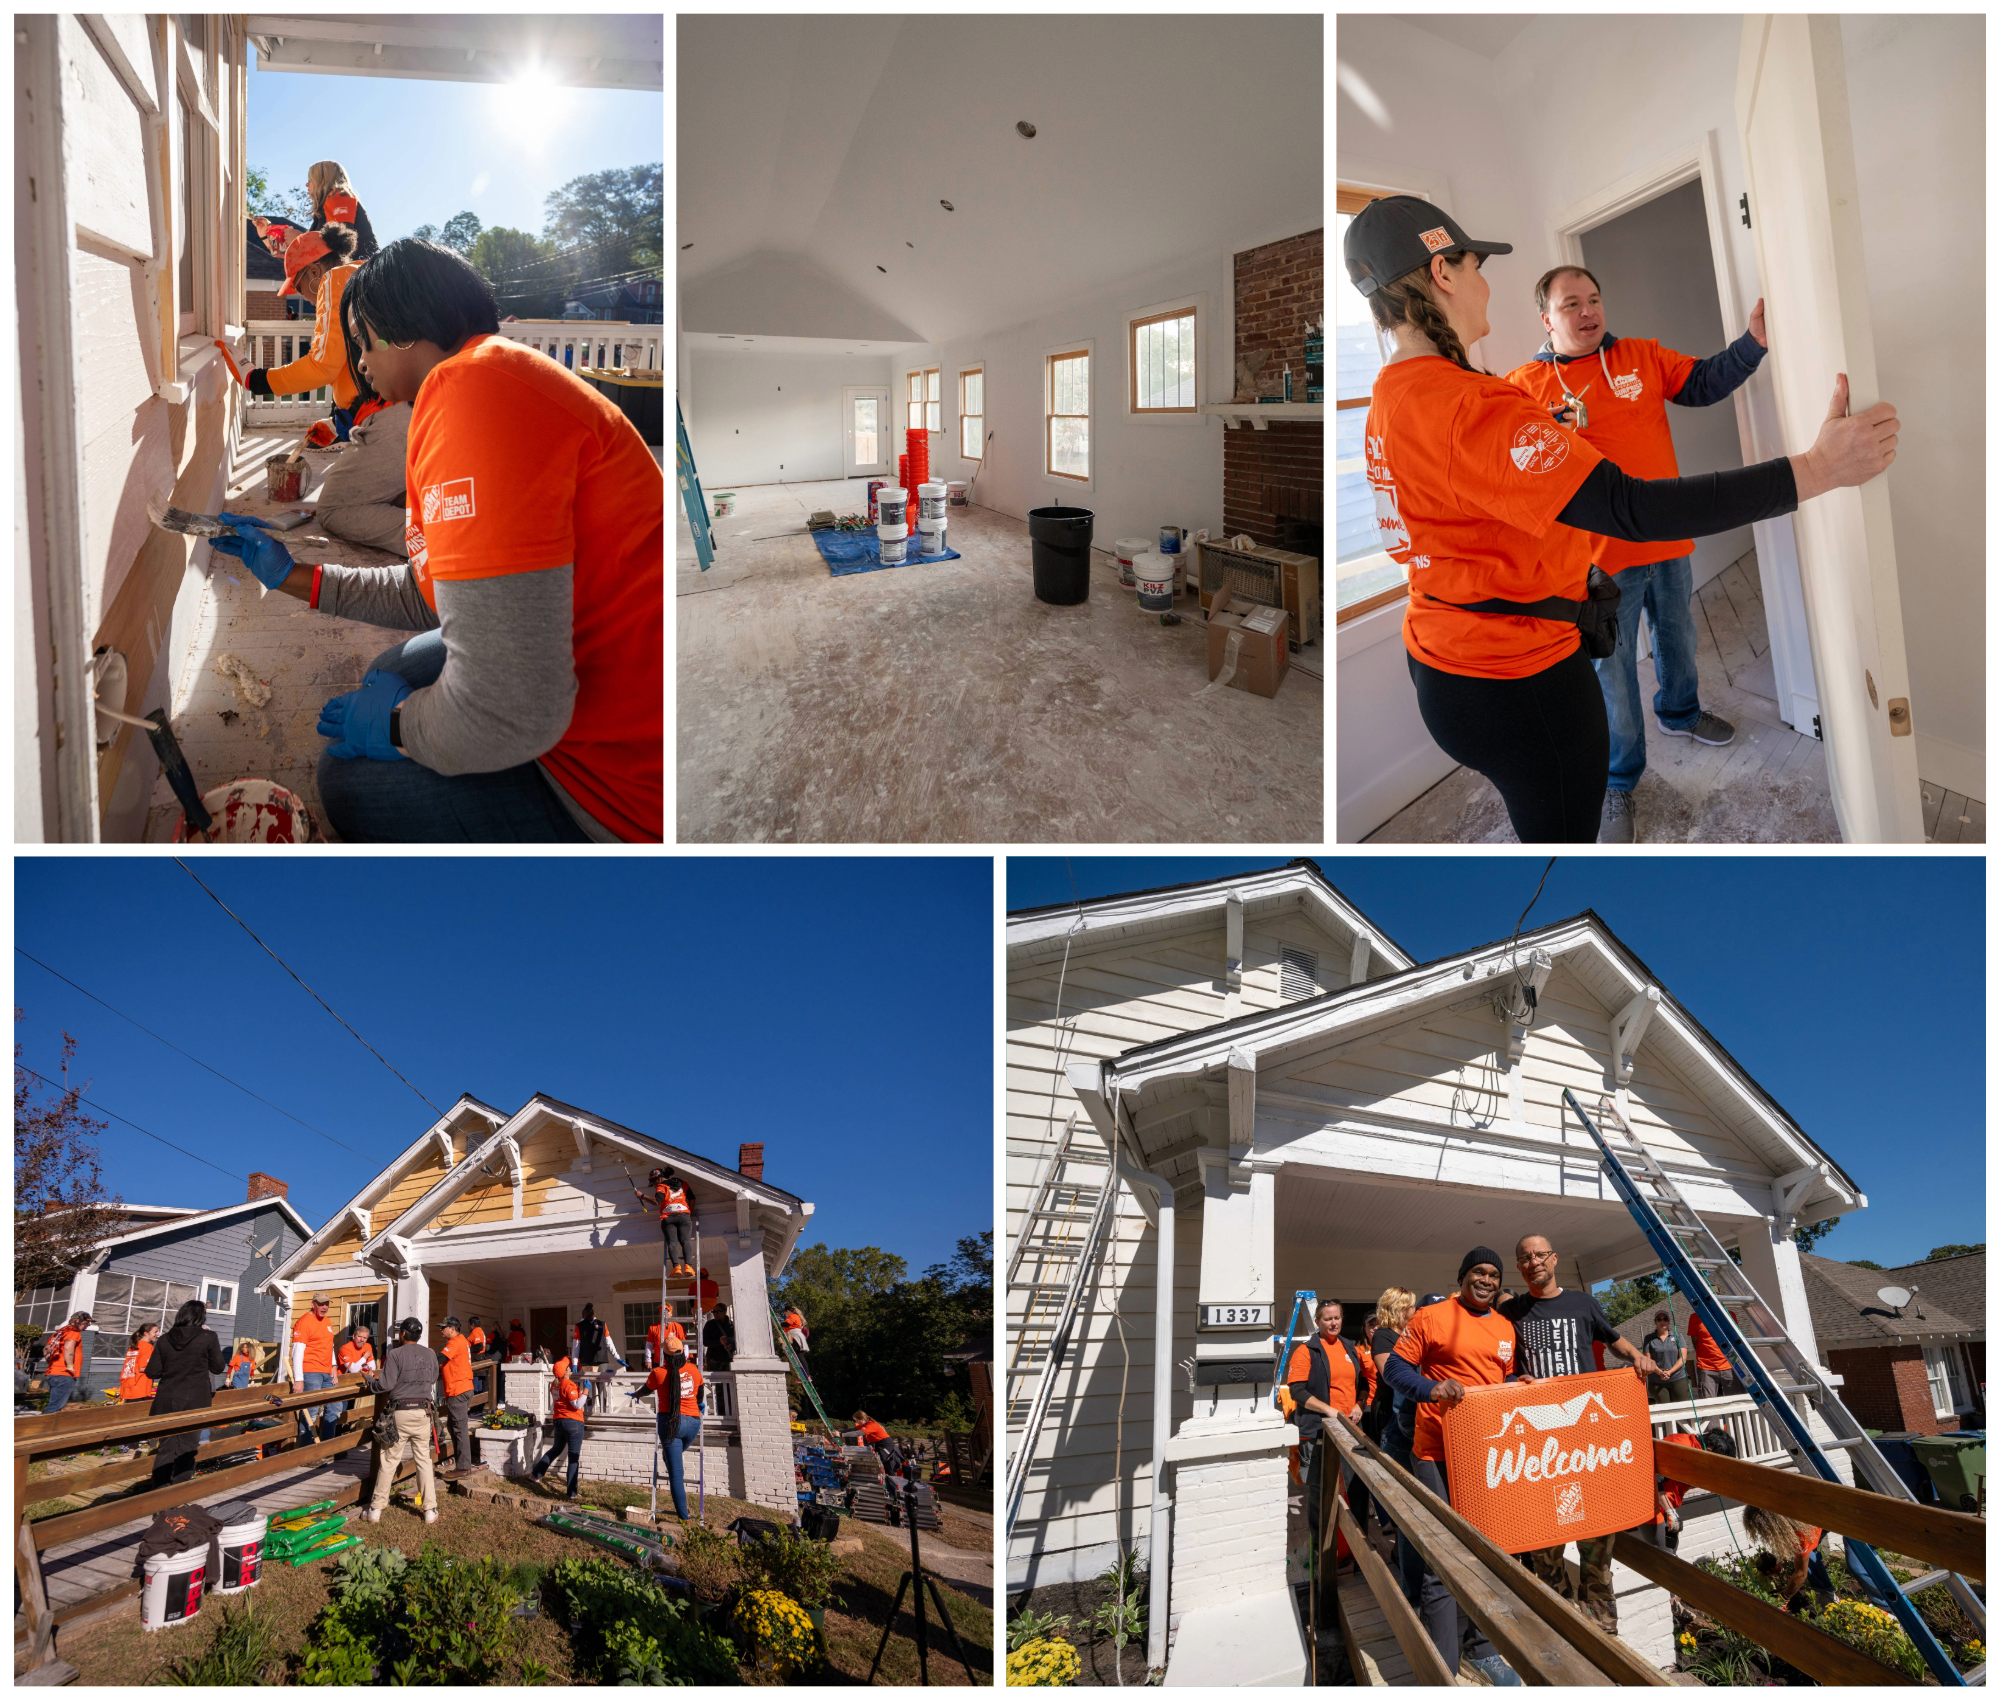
x=674 y=1229
x=1543 y=741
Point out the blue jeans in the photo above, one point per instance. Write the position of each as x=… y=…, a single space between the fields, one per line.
x=677 y=1434
x=60 y=1387
x=1665 y=591
x=404 y=802
x=569 y=1434
x=329 y=1415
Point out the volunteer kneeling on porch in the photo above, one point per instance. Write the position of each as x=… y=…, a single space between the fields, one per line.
x=1459 y=1343
x=1491 y=505
x=1325 y=1376
x=529 y=710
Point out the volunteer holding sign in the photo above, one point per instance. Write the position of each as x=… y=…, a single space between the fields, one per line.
x=1492 y=507
x=1459 y=1343
x=1553 y=1333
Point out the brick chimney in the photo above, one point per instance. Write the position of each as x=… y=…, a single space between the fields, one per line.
x=750 y=1161
x=51 y=1205
x=265 y=1186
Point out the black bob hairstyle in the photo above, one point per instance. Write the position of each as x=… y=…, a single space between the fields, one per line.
x=414 y=291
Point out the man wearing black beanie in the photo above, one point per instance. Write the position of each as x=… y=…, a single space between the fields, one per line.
x=1459 y=1343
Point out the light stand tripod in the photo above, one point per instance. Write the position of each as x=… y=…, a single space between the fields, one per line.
x=922 y=1579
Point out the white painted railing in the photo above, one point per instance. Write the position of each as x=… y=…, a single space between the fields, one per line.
x=278 y=342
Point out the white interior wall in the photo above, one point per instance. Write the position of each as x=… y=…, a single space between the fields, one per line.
x=1511 y=142
x=773 y=419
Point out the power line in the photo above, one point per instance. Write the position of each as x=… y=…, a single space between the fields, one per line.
x=127 y=1120
x=323 y=1004
x=191 y=1057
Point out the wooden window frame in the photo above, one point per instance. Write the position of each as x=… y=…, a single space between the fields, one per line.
x=965 y=372
x=1352 y=200
x=1084 y=352
x=913 y=380
x=934 y=404
x=1192 y=310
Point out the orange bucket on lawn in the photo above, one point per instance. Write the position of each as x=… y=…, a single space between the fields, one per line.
x=1563 y=1460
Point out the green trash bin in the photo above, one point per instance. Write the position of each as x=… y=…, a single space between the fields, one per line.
x=1956 y=1464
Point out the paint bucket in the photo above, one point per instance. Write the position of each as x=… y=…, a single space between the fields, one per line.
x=283 y=478
x=725 y=503
x=930 y=501
x=875 y=488
x=955 y=492
x=172 y=1591
x=253 y=811
x=1128 y=550
x=894 y=503
x=895 y=541
x=1155 y=577
x=239 y=1553
x=930 y=536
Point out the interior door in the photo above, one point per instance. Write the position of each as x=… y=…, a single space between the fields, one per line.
x=864 y=432
x=549 y=1326
x=1798 y=152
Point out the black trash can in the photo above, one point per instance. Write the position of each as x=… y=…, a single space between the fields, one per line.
x=1061 y=547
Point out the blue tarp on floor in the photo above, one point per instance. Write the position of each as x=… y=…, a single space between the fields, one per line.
x=861 y=552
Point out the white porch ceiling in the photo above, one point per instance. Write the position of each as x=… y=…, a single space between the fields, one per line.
x=620 y=50
x=835 y=138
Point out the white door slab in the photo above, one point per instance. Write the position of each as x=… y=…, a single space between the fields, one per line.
x=1798 y=151
x=864 y=431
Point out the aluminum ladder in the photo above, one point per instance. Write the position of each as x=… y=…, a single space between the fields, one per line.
x=667 y=1279
x=1063 y=1234
x=799 y=1370
x=1718 y=1291
x=691 y=497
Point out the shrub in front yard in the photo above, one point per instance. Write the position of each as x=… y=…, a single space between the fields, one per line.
x=625 y=1630
x=436 y=1621
x=708 y=1561
x=793 y=1564
x=1874 y=1632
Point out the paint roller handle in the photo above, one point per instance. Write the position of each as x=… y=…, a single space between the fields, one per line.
x=174 y=765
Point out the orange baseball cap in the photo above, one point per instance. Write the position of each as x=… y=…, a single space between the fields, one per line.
x=300 y=252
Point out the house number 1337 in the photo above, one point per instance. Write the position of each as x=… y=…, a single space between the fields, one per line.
x=1236 y=1316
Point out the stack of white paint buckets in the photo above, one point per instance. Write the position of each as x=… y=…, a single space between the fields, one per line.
x=931 y=499
x=892 y=530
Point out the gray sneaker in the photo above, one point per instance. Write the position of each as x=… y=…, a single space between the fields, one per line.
x=1615 y=826
x=1497 y=1671
x=1709 y=729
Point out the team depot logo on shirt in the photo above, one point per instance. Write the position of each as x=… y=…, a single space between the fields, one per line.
x=1538 y=447
x=1627 y=386
x=451 y=500
x=1388 y=517
x=1436 y=240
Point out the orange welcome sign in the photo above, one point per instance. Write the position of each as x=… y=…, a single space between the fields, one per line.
x=1563 y=1460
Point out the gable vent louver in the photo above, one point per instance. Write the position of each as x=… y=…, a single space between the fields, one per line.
x=1298 y=974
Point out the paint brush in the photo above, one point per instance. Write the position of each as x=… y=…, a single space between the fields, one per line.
x=169 y=518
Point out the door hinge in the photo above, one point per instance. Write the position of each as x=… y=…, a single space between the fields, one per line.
x=1743 y=202
x=1816 y=731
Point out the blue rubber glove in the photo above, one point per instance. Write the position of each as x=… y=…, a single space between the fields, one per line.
x=269 y=561
x=359 y=720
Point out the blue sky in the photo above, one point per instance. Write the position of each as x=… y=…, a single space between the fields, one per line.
x=418 y=152
x=1851 y=987
x=839 y=1010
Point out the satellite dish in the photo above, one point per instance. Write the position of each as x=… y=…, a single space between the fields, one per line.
x=1894 y=1297
x=265 y=1249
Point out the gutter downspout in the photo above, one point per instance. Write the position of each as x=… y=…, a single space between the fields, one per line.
x=1159 y=1209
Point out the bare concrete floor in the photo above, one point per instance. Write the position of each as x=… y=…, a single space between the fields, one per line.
x=303 y=656
x=942 y=703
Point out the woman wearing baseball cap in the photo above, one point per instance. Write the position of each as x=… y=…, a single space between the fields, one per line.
x=1487 y=504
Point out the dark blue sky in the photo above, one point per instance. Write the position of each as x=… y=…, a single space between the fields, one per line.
x=1851 y=987
x=839 y=1010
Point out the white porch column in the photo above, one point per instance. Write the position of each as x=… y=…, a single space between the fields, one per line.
x=1234 y=1622
x=763 y=1418
x=1771 y=1261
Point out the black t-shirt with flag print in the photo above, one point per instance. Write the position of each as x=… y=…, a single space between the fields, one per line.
x=1554 y=1334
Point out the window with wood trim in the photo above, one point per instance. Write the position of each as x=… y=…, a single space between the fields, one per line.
x=922 y=400
x=933 y=400
x=1066 y=408
x=1160 y=357
x=1365 y=575
x=972 y=414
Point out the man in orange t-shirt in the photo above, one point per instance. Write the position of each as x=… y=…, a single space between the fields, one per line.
x=312 y=1368
x=357 y=1355
x=1448 y=1347
x=675 y=1343
x=455 y=1362
x=64 y=1374
x=1714 y=1377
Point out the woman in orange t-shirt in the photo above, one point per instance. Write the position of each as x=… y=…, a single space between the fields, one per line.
x=528 y=707
x=133 y=1383
x=1487 y=503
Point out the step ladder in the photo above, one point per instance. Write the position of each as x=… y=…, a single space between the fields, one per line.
x=798 y=1369
x=691 y=497
x=1744 y=1326
x=1063 y=1237
x=1303 y=1300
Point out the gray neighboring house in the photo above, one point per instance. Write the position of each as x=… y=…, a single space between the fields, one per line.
x=163 y=1256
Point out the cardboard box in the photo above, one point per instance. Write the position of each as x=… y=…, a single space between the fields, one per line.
x=1258 y=634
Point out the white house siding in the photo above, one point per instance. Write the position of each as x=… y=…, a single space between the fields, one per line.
x=1075 y=1511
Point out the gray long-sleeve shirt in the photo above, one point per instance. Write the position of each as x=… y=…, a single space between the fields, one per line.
x=509 y=683
x=409 y=1372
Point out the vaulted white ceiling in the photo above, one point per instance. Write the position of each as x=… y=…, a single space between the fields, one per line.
x=828 y=142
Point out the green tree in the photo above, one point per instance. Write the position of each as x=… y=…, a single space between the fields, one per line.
x=1808 y=1234
x=425 y=233
x=619 y=215
x=460 y=232
x=1938 y=1251
x=499 y=252
x=1627 y=1298
x=260 y=197
x=1862 y=1263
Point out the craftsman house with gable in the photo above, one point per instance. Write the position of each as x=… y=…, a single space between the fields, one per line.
x=532 y=1215
x=1295 y=1103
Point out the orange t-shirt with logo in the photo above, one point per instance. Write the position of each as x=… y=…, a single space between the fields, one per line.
x=1707 y=1354
x=132 y=1382
x=1468 y=477
x=1624 y=389
x=516 y=465
x=316 y=1335
x=65 y=1352
x=673 y=1200
x=676 y=1338
x=357 y=1359
x=1342 y=1394
x=568 y=1398
x=873 y=1433
x=1448 y=1343
x=687 y=1386
x=457 y=1357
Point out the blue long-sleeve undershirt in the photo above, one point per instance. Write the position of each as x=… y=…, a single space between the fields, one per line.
x=1406 y=1378
x=1720 y=374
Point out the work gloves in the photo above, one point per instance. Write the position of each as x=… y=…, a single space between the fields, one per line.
x=257 y=381
x=359 y=720
x=269 y=561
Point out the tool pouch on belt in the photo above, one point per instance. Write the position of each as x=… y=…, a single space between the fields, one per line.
x=1596 y=616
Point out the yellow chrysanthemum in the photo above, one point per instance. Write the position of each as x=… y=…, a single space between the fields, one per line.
x=1042 y=1664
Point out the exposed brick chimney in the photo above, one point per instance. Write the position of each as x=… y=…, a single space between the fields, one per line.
x=750 y=1161
x=265 y=1186
x=1272 y=479
x=51 y=1205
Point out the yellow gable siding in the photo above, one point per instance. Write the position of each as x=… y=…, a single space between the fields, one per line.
x=546 y=1159
x=407 y=1190
x=341 y=1250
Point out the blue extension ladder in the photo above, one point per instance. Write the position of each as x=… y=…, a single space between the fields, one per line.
x=1713 y=1285
x=691 y=497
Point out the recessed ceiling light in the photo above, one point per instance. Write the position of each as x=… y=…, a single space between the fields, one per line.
x=948 y=207
x=685 y=246
x=884 y=270
x=721 y=336
x=1025 y=127
x=909 y=244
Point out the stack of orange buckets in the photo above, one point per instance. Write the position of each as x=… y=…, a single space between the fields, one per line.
x=917 y=463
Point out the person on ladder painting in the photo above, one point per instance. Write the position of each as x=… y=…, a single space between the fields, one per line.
x=670 y=1194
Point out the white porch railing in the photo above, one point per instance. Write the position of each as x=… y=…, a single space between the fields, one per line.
x=580 y=344
x=526 y=1387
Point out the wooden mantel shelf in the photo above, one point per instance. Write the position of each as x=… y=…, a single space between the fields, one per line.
x=1256 y=414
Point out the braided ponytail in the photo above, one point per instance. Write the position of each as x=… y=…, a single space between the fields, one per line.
x=1408 y=301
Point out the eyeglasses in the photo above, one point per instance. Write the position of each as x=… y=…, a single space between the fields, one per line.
x=1538 y=1257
